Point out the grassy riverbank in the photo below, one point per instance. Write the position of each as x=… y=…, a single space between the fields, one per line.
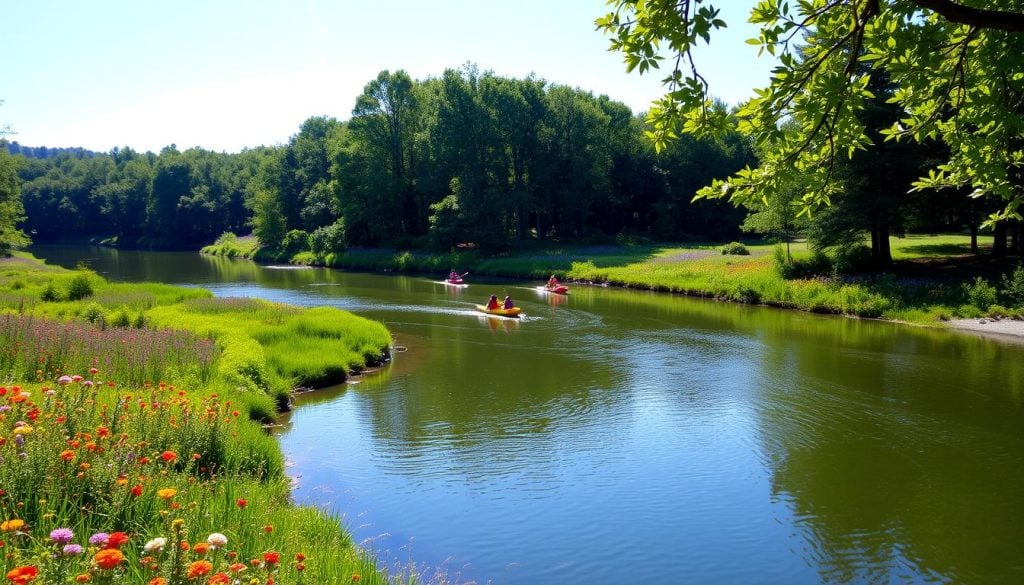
x=129 y=410
x=934 y=278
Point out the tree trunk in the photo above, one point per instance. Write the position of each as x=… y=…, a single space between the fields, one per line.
x=999 y=240
x=974 y=236
x=881 y=251
x=1015 y=237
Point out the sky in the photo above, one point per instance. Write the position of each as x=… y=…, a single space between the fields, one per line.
x=230 y=74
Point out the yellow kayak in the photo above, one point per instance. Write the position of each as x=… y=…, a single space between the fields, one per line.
x=513 y=312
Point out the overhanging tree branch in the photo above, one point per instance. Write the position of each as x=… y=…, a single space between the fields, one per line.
x=980 y=17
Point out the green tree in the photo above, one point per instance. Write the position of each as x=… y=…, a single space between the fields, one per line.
x=960 y=76
x=11 y=209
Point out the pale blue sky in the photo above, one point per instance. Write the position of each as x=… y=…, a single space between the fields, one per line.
x=226 y=74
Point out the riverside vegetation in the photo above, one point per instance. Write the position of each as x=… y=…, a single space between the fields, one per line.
x=132 y=452
x=934 y=278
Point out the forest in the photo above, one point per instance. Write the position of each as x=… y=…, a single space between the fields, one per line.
x=473 y=159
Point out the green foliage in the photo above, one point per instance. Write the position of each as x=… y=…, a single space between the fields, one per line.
x=952 y=63
x=294 y=242
x=12 y=211
x=1011 y=289
x=80 y=287
x=736 y=249
x=328 y=239
x=981 y=293
x=852 y=259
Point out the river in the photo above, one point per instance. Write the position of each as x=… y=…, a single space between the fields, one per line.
x=615 y=436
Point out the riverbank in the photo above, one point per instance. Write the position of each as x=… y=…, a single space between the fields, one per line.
x=135 y=410
x=931 y=283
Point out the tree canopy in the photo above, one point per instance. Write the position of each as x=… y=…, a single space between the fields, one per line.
x=958 y=69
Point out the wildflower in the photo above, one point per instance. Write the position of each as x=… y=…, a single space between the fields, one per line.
x=300 y=557
x=217 y=540
x=166 y=493
x=178 y=524
x=108 y=558
x=23 y=574
x=355 y=577
x=199 y=568
x=237 y=567
x=76 y=378
x=12 y=525
x=24 y=429
x=184 y=545
x=268 y=529
x=116 y=540
x=137 y=490
x=99 y=539
x=168 y=456
x=155 y=545
x=300 y=566
x=219 y=579
x=61 y=535
x=82 y=578
x=93 y=371
x=200 y=548
x=71 y=550
x=242 y=502
x=64 y=380
x=271 y=557
x=157 y=581
x=67 y=455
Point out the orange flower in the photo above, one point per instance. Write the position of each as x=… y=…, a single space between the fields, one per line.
x=201 y=548
x=199 y=568
x=168 y=456
x=23 y=574
x=300 y=557
x=219 y=579
x=355 y=577
x=82 y=578
x=12 y=525
x=108 y=558
x=268 y=529
x=67 y=455
x=166 y=493
x=237 y=567
x=157 y=581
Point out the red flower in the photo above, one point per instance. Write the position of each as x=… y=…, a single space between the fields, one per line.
x=168 y=456
x=271 y=558
x=199 y=568
x=117 y=539
x=23 y=574
x=242 y=502
x=137 y=490
x=219 y=579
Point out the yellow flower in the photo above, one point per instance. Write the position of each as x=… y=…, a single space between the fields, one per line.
x=12 y=525
x=166 y=493
x=23 y=430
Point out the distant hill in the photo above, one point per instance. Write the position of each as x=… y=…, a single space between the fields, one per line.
x=45 y=152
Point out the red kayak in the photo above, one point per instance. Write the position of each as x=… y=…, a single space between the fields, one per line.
x=453 y=280
x=559 y=290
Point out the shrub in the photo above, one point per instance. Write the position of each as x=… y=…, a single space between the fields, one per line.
x=93 y=313
x=853 y=259
x=818 y=264
x=980 y=293
x=736 y=249
x=49 y=293
x=79 y=287
x=329 y=238
x=1012 y=287
x=295 y=241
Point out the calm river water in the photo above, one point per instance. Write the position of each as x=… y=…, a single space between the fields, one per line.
x=617 y=436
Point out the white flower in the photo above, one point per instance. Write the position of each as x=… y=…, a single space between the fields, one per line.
x=155 y=545
x=217 y=540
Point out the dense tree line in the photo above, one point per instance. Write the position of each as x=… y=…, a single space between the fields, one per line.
x=467 y=157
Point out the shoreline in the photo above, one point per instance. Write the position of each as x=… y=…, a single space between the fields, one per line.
x=1009 y=330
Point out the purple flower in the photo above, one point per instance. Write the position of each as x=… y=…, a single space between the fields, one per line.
x=99 y=539
x=61 y=535
x=71 y=550
x=64 y=380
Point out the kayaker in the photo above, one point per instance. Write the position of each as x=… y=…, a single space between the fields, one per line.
x=552 y=282
x=492 y=303
x=508 y=303
x=454 y=277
